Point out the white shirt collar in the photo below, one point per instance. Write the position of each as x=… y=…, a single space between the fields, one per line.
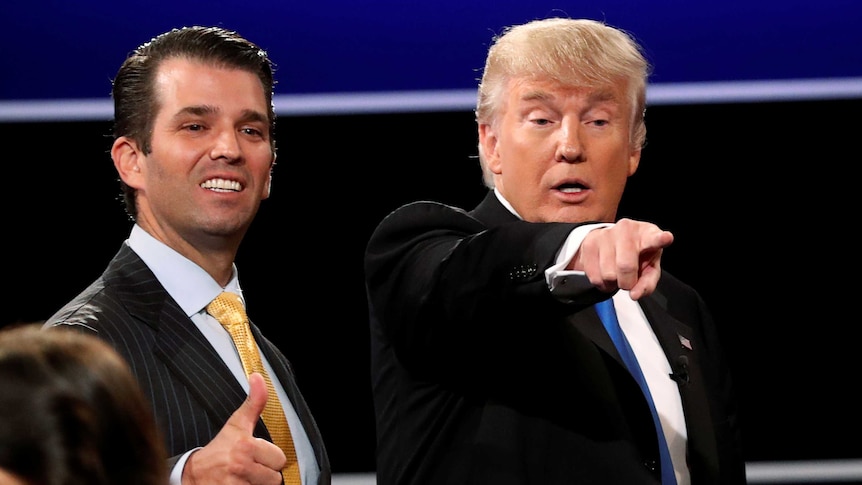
x=186 y=282
x=506 y=203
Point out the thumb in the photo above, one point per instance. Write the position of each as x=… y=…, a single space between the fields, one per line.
x=247 y=415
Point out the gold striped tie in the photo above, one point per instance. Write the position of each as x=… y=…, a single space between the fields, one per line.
x=228 y=310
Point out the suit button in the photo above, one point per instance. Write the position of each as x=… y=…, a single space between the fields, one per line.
x=523 y=272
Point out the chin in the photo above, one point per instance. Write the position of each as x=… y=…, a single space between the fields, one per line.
x=572 y=215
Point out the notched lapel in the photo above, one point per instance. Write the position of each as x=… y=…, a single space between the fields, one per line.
x=179 y=344
x=189 y=356
x=588 y=323
x=675 y=337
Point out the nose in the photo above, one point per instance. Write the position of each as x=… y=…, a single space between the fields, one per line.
x=569 y=147
x=226 y=146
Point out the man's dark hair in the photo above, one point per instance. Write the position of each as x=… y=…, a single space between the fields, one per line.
x=135 y=100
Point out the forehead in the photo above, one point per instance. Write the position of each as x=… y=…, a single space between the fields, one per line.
x=185 y=80
x=526 y=89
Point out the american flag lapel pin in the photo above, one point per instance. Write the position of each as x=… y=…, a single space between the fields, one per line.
x=684 y=341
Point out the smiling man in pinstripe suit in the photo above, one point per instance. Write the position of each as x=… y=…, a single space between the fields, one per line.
x=194 y=149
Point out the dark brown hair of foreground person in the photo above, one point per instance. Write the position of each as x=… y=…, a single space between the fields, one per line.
x=72 y=413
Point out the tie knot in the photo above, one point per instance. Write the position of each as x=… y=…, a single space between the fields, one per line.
x=227 y=309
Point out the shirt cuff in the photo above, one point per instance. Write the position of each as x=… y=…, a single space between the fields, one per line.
x=177 y=472
x=557 y=274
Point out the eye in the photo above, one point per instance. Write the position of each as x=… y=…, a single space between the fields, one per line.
x=252 y=131
x=600 y=122
x=541 y=121
x=194 y=127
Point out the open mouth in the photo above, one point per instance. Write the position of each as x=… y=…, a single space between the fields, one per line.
x=222 y=185
x=571 y=188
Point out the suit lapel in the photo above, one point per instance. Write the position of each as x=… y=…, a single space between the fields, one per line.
x=183 y=349
x=682 y=347
x=677 y=339
x=589 y=324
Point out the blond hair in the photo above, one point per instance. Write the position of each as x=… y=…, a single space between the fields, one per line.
x=573 y=52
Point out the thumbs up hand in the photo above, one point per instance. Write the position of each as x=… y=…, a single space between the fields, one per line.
x=235 y=456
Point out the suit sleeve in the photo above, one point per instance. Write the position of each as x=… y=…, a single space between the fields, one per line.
x=440 y=281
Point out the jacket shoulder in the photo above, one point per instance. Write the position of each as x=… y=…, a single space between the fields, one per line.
x=85 y=309
x=424 y=210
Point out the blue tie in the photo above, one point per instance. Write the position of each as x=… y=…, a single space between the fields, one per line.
x=608 y=315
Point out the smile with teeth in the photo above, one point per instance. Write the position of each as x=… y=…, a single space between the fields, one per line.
x=222 y=185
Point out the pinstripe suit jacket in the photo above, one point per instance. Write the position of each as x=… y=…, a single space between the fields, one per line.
x=192 y=392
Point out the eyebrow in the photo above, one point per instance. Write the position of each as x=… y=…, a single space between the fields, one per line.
x=197 y=110
x=595 y=95
x=603 y=95
x=254 y=115
x=248 y=115
x=536 y=95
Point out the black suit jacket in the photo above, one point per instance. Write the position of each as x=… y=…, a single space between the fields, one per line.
x=481 y=376
x=192 y=392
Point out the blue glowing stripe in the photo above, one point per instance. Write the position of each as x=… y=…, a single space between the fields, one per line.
x=458 y=100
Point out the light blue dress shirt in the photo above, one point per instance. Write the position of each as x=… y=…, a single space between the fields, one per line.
x=193 y=289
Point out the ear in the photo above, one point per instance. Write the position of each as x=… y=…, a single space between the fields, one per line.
x=488 y=142
x=128 y=160
x=634 y=161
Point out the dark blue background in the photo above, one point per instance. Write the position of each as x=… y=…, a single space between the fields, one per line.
x=58 y=49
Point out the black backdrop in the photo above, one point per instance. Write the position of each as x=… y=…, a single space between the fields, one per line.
x=759 y=197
